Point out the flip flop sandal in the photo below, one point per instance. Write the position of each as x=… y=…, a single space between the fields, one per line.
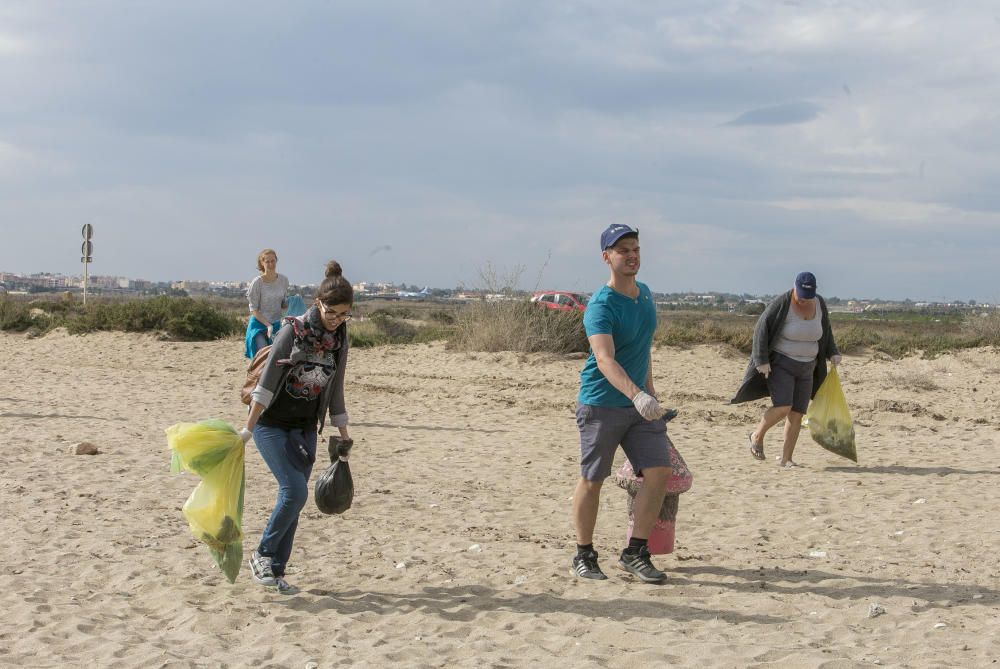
x=756 y=450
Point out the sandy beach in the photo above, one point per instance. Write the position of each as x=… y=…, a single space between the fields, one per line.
x=456 y=551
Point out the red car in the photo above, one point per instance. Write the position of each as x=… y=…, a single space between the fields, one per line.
x=561 y=301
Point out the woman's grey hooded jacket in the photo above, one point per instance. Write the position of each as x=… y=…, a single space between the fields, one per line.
x=765 y=335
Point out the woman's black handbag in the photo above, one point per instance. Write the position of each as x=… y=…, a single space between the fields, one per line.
x=334 y=490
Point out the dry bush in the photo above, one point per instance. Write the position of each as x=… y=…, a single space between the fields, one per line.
x=512 y=324
x=855 y=338
x=676 y=330
x=517 y=325
x=985 y=327
x=499 y=281
x=382 y=329
x=903 y=337
x=912 y=379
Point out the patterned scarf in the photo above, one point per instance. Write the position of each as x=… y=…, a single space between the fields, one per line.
x=311 y=337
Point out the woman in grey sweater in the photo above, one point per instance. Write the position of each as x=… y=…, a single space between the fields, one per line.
x=791 y=343
x=266 y=297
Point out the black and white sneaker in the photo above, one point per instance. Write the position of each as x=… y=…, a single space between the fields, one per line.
x=260 y=569
x=284 y=587
x=639 y=564
x=585 y=566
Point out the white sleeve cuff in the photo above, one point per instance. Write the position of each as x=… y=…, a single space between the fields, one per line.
x=262 y=396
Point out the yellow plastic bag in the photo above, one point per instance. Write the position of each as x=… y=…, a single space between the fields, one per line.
x=213 y=450
x=829 y=418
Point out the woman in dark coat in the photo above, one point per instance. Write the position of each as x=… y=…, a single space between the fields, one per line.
x=791 y=343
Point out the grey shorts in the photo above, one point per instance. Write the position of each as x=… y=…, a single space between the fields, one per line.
x=603 y=429
x=791 y=382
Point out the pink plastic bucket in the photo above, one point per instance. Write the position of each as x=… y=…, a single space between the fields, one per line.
x=661 y=538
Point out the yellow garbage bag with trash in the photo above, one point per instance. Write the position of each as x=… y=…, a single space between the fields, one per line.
x=829 y=418
x=213 y=450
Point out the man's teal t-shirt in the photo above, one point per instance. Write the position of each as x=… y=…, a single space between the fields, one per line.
x=631 y=324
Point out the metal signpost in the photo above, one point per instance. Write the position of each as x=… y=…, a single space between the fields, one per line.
x=87 y=249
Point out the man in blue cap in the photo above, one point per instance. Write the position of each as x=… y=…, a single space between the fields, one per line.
x=617 y=405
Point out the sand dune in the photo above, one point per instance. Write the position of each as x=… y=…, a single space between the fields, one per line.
x=456 y=552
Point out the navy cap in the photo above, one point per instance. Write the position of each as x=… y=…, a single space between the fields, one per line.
x=805 y=286
x=615 y=232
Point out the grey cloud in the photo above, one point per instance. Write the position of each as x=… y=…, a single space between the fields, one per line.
x=498 y=130
x=789 y=113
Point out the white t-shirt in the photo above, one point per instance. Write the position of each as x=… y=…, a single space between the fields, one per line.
x=799 y=338
x=266 y=297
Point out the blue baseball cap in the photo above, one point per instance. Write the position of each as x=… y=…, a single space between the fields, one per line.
x=805 y=286
x=615 y=232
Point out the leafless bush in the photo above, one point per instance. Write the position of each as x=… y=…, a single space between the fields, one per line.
x=496 y=281
x=517 y=325
x=985 y=326
x=912 y=379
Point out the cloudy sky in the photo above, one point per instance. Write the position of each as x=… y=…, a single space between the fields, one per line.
x=420 y=142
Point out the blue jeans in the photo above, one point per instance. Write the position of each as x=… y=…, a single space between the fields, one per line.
x=293 y=490
x=260 y=340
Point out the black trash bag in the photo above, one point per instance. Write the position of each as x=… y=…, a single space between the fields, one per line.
x=335 y=487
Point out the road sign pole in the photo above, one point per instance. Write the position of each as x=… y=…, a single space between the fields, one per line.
x=87 y=249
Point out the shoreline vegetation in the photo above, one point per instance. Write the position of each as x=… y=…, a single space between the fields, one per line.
x=504 y=325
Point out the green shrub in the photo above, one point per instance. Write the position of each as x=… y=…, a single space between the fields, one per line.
x=200 y=322
x=181 y=318
x=365 y=334
x=394 y=330
x=442 y=316
x=15 y=315
x=425 y=335
x=394 y=312
x=508 y=325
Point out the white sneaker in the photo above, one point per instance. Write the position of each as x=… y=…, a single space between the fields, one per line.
x=260 y=569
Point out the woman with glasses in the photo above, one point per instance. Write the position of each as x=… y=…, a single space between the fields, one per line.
x=302 y=382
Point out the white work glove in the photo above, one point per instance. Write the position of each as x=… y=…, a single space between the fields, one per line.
x=647 y=405
x=835 y=360
x=270 y=331
x=764 y=369
x=245 y=435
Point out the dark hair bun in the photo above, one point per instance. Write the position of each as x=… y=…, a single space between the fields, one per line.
x=333 y=270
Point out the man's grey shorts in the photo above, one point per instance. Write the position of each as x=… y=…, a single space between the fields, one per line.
x=602 y=429
x=790 y=382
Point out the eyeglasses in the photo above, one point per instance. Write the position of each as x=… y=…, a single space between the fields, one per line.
x=342 y=315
